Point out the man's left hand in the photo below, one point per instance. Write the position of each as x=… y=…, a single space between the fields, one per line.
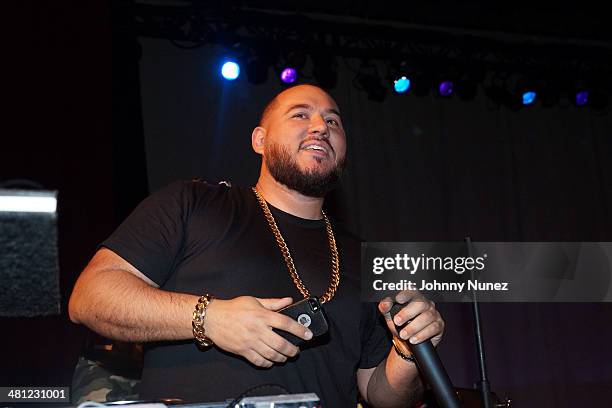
x=424 y=321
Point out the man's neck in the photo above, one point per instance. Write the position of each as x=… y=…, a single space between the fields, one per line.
x=287 y=200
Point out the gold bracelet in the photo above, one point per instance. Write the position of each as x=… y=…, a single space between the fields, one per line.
x=197 y=321
x=402 y=349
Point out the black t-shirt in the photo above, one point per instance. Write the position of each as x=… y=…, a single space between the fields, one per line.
x=197 y=238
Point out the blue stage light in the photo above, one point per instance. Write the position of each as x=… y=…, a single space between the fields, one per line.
x=446 y=88
x=529 y=97
x=230 y=70
x=582 y=98
x=401 y=85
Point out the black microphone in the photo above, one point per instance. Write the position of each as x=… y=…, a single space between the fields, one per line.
x=431 y=368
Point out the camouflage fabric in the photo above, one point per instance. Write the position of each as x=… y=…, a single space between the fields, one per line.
x=92 y=382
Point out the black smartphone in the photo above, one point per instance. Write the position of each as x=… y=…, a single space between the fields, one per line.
x=309 y=313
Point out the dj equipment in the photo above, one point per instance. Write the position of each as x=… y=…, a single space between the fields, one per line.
x=307 y=400
x=29 y=271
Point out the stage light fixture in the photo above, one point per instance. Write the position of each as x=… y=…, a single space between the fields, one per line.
x=288 y=75
x=446 y=88
x=290 y=65
x=580 y=92
x=401 y=84
x=526 y=90
x=230 y=70
x=581 y=98
x=528 y=97
x=407 y=76
x=446 y=74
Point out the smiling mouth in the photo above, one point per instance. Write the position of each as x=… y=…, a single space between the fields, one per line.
x=318 y=149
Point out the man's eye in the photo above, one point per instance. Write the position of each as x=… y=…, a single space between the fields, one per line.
x=332 y=122
x=299 y=115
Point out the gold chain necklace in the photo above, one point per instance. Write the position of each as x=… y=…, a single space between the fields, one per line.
x=335 y=263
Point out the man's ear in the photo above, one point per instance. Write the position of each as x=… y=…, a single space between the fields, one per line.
x=257 y=139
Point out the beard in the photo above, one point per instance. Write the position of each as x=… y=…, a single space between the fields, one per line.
x=311 y=183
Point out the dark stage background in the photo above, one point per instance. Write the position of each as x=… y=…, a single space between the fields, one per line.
x=105 y=116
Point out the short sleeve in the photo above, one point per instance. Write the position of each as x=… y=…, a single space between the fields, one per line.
x=150 y=238
x=375 y=337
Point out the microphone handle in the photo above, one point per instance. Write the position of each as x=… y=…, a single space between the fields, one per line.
x=431 y=368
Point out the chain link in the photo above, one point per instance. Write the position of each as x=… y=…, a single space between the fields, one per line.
x=282 y=245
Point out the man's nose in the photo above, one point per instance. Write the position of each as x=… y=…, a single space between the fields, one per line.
x=318 y=126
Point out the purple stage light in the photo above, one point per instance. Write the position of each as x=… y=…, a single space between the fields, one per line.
x=582 y=98
x=289 y=75
x=446 y=88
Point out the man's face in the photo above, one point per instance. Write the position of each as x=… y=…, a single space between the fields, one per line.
x=305 y=144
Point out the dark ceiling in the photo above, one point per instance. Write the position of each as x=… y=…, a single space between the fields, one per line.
x=561 y=40
x=586 y=20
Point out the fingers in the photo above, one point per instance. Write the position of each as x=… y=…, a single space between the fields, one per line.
x=406 y=296
x=243 y=326
x=257 y=359
x=403 y=297
x=282 y=347
x=419 y=317
x=427 y=324
x=282 y=322
x=412 y=310
x=432 y=331
x=275 y=304
x=273 y=349
x=385 y=306
x=270 y=354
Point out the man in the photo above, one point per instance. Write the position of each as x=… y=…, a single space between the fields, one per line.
x=239 y=246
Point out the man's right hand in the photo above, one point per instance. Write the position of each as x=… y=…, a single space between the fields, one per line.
x=243 y=326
